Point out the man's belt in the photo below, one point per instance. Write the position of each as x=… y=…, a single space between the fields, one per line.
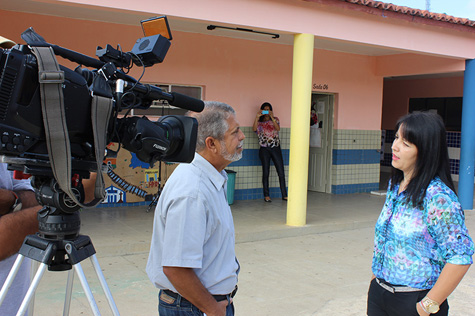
x=218 y=298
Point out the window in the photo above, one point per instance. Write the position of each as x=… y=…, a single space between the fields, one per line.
x=161 y=107
x=450 y=109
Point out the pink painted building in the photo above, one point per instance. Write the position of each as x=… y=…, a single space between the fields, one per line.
x=372 y=62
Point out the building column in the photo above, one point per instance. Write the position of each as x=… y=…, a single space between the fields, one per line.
x=467 y=144
x=300 y=129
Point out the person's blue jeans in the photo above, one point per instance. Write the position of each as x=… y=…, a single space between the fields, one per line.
x=265 y=155
x=168 y=306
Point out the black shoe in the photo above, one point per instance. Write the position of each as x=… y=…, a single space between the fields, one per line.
x=267 y=200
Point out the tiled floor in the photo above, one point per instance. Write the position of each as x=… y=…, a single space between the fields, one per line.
x=322 y=268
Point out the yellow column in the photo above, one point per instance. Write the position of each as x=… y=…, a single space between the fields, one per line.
x=300 y=129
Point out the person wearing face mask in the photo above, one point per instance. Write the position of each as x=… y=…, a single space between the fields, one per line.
x=422 y=248
x=267 y=127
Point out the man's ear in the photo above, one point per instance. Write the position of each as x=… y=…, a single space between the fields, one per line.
x=211 y=144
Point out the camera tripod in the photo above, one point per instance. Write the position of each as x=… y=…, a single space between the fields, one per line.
x=58 y=247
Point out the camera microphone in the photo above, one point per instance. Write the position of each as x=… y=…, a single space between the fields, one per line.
x=173 y=98
x=186 y=102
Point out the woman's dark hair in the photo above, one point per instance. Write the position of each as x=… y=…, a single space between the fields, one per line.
x=427 y=132
x=262 y=108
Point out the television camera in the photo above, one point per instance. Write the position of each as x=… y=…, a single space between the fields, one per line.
x=55 y=124
x=24 y=125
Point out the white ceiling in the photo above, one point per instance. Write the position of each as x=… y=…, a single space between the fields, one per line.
x=178 y=24
x=194 y=26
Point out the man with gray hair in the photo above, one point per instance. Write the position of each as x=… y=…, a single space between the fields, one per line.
x=192 y=258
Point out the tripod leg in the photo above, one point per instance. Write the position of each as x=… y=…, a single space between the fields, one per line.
x=11 y=276
x=33 y=269
x=105 y=288
x=69 y=290
x=31 y=290
x=87 y=289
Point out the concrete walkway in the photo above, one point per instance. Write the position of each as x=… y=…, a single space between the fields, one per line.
x=320 y=269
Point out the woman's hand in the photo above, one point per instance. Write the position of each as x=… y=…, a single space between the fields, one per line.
x=256 y=120
x=420 y=310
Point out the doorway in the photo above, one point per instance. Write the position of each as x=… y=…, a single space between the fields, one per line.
x=321 y=143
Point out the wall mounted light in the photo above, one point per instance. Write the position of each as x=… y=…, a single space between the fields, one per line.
x=212 y=27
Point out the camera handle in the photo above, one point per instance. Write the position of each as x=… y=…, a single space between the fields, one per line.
x=48 y=251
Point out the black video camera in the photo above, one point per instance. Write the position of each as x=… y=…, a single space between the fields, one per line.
x=24 y=135
x=171 y=138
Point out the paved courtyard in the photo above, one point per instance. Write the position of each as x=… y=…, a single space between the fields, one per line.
x=320 y=269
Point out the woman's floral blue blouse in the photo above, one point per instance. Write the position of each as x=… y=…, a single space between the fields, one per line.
x=412 y=245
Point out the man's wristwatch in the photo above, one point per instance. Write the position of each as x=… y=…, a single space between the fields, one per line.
x=17 y=204
x=429 y=305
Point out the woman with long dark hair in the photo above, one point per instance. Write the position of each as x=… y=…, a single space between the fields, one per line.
x=267 y=127
x=422 y=248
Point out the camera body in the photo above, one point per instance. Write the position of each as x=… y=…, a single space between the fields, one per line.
x=22 y=121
